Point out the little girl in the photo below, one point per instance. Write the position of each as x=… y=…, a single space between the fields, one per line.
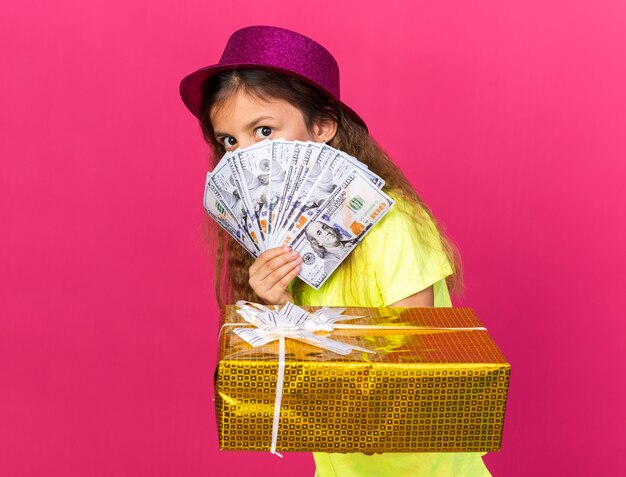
x=273 y=83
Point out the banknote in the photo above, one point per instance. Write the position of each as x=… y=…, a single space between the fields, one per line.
x=376 y=180
x=253 y=167
x=296 y=156
x=332 y=173
x=226 y=186
x=282 y=192
x=309 y=171
x=341 y=223
x=218 y=212
x=243 y=179
x=330 y=176
x=281 y=159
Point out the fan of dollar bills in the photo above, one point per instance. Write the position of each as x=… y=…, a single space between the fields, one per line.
x=316 y=199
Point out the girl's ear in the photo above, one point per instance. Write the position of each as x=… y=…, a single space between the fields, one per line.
x=325 y=130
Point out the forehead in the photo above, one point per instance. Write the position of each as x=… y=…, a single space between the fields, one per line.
x=241 y=107
x=314 y=227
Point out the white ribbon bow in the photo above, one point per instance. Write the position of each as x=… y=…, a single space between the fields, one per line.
x=293 y=322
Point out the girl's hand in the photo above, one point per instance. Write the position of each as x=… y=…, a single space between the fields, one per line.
x=271 y=273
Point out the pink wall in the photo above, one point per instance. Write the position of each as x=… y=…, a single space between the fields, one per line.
x=509 y=118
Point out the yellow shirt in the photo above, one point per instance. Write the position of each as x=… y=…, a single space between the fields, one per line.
x=395 y=260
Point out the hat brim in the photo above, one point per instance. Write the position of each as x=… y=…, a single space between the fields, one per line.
x=191 y=86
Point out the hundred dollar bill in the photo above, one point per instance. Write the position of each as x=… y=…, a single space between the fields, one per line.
x=375 y=179
x=332 y=174
x=242 y=179
x=301 y=170
x=297 y=154
x=216 y=210
x=252 y=166
x=281 y=157
x=225 y=185
x=309 y=171
x=341 y=223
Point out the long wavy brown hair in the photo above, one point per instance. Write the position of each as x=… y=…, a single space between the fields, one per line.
x=231 y=260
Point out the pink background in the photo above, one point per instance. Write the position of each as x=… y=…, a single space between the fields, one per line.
x=509 y=118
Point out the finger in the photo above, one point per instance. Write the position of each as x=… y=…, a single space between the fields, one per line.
x=282 y=283
x=266 y=256
x=274 y=264
x=270 y=280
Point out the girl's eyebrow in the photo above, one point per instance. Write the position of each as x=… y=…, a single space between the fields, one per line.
x=250 y=125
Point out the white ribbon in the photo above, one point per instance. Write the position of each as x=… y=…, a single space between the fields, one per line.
x=293 y=322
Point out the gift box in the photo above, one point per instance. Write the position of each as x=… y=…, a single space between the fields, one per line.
x=435 y=382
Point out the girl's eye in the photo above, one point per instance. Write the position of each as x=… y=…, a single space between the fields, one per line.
x=229 y=141
x=263 y=132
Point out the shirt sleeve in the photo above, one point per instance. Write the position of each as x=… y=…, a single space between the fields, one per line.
x=406 y=253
